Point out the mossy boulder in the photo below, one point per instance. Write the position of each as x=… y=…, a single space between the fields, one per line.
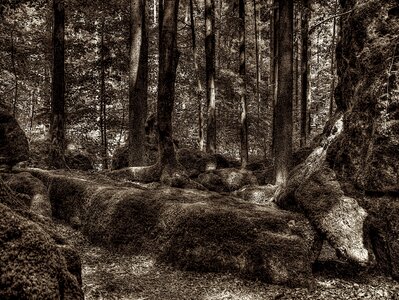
x=78 y=160
x=383 y=232
x=227 y=180
x=31 y=264
x=191 y=229
x=14 y=146
x=337 y=217
x=26 y=184
x=367 y=153
x=257 y=194
x=195 y=162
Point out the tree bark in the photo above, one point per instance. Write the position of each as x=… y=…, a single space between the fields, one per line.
x=14 y=70
x=304 y=72
x=168 y=60
x=243 y=96
x=103 y=104
x=283 y=109
x=57 y=119
x=210 y=75
x=257 y=60
x=274 y=32
x=138 y=82
x=331 y=110
x=201 y=124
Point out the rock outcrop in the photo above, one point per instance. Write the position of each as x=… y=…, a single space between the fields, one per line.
x=32 y=260
x=14 y=146
x=191 y=229
x=367 y=153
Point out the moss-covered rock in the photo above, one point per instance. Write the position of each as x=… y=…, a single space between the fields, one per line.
x=257 y=194
x=383 y=229
x=192 y=229
x=195 y=162
x=368 y=91
x=337 y=217
x=14 y=146
x=25 y=183
x=31 y=264
x=227 y=180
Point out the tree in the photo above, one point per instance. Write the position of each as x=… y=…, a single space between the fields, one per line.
x=168 y=60
x=138 y=84
x=332 y=69
x=283 y=109
x=57 y=118
x=103 y=101
x=304 y=71
x=244 y=108
x=210 y=75
x=199 y=85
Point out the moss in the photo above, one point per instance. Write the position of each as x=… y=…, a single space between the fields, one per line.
x=31 y=266
x=195 y=230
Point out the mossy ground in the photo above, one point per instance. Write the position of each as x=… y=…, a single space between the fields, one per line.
x=108 y=274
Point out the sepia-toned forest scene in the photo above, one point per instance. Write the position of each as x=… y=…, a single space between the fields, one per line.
x=199 y=149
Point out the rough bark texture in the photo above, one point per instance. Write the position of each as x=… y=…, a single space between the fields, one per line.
x=283 y=110
x=210 y=75
x=193 y=230
x=304 y=70
x=367 y=57
x=138 y=84
x=57 y=118
x=168 y=60
x=243 y=88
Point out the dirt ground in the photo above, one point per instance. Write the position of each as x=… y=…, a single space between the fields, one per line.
x=109 y=274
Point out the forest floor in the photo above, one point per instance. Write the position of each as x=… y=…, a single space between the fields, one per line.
x=109 y=274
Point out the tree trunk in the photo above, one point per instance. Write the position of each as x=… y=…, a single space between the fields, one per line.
x=210 y=75
x=103 y=104
x=201 y=126
x=331 y=110
x=14 y=70
x=257 y=60
x=57 y=119
x=283 y=109
x=304 y=72
x=274 y=32
x=243 y=96
x=138 y=82
x=168 y=60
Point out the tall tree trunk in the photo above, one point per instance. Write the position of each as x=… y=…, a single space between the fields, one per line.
x=257 y=61
x=274 y=33
x=32 y=111
x=283 y=110
x=297 y=29
x=201 y=125
x=210 y=75
x=57 y=119
x=138 y=82
x=332 y=72
x=14 y=70
x=103 y=104
x=304 y=71
x=243 y=96
x=168 y=60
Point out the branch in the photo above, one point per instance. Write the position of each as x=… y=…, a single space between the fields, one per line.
x=311 y=30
